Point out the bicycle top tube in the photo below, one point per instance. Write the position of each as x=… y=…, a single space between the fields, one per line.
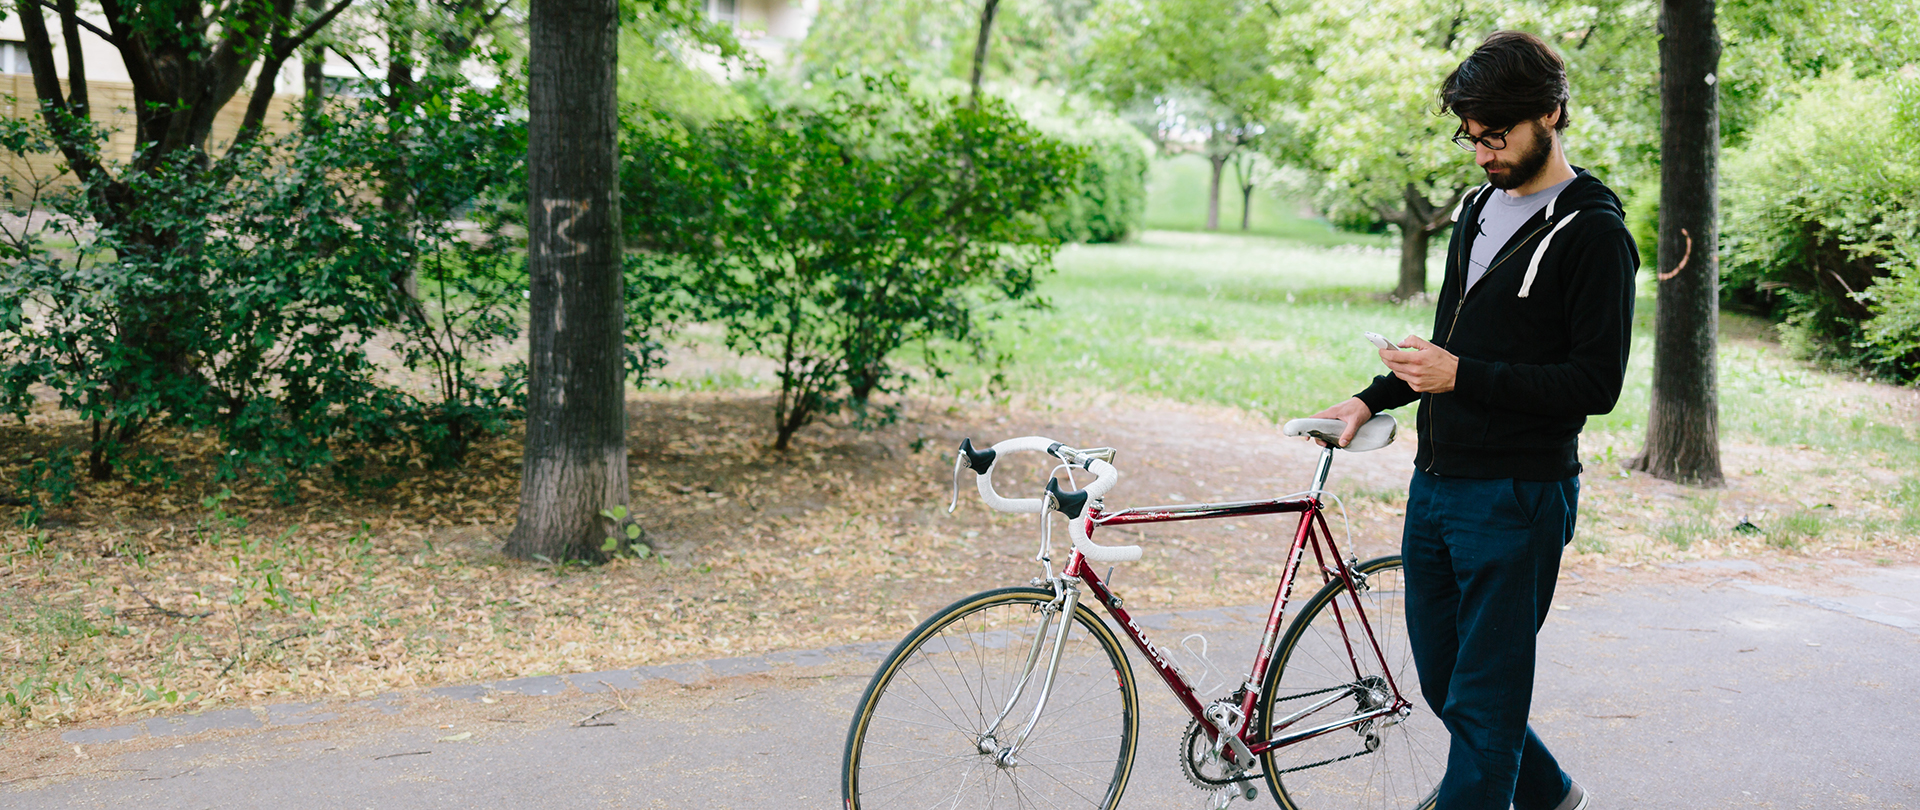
x=1203 y=511
x=1084 y=508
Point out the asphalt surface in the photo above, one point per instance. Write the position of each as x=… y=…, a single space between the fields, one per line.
x=1700 y=690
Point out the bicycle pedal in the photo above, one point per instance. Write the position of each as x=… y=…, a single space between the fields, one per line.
x=1250 y=793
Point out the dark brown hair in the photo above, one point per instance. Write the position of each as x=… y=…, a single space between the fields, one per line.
x=1512 y=77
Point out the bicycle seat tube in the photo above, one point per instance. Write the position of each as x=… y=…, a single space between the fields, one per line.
x=1320 y=471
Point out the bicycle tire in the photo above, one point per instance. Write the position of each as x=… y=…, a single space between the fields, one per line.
x=952 y=675
x=1336 y=770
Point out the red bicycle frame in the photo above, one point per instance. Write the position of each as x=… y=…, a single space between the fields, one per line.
x=1313 y=533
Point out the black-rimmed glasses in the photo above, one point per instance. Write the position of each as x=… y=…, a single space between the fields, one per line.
x=1491 y=140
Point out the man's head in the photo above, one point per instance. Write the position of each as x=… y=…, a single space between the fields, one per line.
x=1511 y=97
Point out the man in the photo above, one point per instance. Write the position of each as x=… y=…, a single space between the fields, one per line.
x=1530 y=337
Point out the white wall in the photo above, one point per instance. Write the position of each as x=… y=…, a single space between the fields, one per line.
x=103 y=60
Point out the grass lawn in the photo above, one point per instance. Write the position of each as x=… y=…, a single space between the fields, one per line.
x=1177 y=201
x=1273 y=326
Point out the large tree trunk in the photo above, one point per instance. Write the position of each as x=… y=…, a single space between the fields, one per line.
x=1246 y=208
x=1213 y=191
x=576 y=453
x=1683 y=421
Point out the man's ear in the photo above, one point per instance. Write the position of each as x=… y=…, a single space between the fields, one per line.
x=1551 y=119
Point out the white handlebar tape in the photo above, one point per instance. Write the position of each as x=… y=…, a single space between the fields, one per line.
x=1105 y=476
x=984 y=481
x=1094 y=551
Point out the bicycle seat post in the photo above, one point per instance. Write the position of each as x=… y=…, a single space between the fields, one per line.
x=1320 y=471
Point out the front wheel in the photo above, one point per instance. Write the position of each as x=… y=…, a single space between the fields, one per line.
x=925 y=734
x=1326 y=670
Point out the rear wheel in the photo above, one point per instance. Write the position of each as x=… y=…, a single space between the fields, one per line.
x=1394 y=762
x=921 y=737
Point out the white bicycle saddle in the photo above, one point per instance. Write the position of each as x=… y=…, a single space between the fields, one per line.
x=1378 y=432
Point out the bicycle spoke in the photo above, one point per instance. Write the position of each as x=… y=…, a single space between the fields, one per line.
x=923 y=725
x=1320 y=653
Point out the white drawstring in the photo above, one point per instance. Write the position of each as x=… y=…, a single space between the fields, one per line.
x=1533 y=267
x=1464 y=202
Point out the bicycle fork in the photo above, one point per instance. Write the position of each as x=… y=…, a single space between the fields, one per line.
x=1068 y=600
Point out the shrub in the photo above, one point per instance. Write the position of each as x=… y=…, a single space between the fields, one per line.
x=240 y=292
x=1820 y=228
x=1109 y=193
x=831 y=234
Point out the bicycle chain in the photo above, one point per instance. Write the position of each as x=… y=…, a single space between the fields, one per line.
x=1312 y=693
x=1323 y=762
x=1194 y=777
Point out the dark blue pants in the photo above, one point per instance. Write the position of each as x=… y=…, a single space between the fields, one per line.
x=1482 y=556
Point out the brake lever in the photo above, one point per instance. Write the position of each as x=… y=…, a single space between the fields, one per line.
x=959 y=463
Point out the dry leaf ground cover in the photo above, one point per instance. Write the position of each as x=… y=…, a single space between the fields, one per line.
x=139 y=604
x=139 y=599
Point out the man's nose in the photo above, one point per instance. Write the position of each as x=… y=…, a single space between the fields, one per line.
x=1482 y=155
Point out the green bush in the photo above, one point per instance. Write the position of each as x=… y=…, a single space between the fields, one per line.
x=1643 y=221
x=831 y=233
x=1109 y=197
x=241 y=292
x=1820 y=221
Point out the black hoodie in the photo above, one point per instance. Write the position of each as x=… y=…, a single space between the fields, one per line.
x=1542 y=341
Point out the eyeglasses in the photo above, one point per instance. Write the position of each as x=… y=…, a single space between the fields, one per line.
x=1492 y=140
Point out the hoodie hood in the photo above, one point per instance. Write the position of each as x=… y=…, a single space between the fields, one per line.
x=1585 y=194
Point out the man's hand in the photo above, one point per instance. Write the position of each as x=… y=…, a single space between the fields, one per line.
x=1353 y=412
x=1428 y=370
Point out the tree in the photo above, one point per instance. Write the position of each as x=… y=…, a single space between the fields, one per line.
x=186 y=60
x=937 y=41
x=1683 y=420
x=980 y=42
x=1369 y=129
x=575 y=463
x=1203 y=66
x=1250 y=169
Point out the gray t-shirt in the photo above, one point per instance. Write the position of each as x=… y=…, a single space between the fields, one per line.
x=1500 y=218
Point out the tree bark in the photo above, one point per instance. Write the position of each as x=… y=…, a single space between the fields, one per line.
x=1414 y=242
x=1213 y=191
x=987 y=11
x=1418 y=220
x=575 y=463
x=395 y=197
x=1243 y=175
x=313 y=74
x=1683 y=420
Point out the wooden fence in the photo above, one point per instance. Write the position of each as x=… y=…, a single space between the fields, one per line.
x=112 y=104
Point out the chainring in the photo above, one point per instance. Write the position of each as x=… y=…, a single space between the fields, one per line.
x=1199 y=766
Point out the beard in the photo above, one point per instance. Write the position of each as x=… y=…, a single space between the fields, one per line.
x=1527 y=166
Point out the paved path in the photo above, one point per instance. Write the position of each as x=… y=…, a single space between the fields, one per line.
x=1678 y=695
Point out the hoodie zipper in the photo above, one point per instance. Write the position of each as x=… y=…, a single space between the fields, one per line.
x=1461 y=304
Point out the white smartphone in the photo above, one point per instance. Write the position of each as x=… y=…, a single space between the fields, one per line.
x=1379 y=340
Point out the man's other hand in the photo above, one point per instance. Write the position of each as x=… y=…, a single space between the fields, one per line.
x=1428 y=369
x=1353 y=412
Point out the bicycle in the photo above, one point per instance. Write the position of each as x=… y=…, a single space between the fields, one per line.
x=1328 y=716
